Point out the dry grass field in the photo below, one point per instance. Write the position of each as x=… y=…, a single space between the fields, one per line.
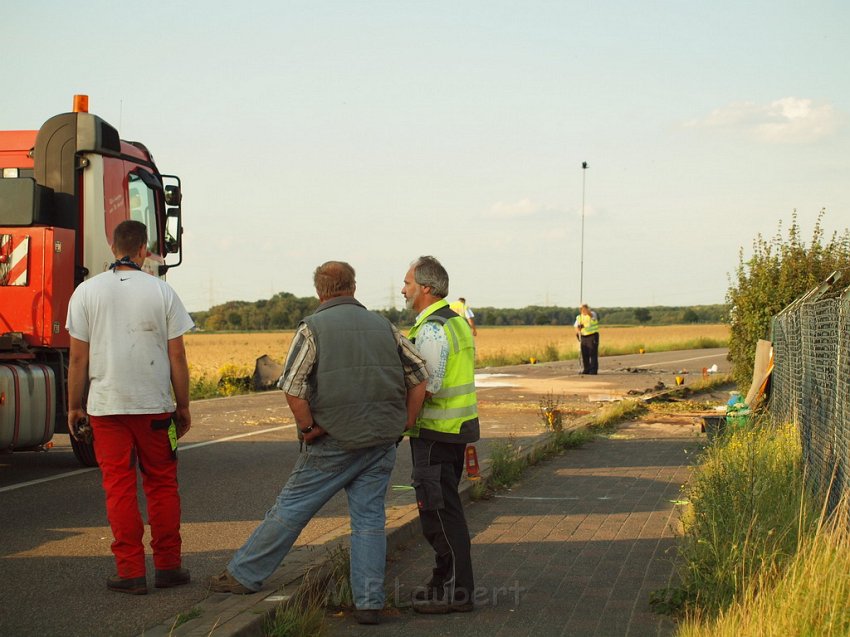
x=527 y=341
x=209 y=354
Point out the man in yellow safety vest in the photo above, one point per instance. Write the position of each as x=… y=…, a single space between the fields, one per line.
x=587 y=332
x=447 y=422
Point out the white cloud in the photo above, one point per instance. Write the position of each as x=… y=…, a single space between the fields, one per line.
x=521 y=208
x=784 y=121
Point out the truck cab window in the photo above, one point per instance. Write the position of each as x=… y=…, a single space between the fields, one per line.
x=143 y=208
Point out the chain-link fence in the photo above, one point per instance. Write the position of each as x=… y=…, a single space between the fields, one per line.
x=811 y=382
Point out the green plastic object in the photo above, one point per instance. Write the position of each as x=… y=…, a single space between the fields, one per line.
x=737 y=414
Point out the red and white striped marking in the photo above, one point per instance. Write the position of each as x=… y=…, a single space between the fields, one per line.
x=13 y=259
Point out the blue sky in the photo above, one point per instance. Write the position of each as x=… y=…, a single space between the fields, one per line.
x=374 y=132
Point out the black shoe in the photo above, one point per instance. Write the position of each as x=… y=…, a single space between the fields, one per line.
x=129 y=585
x=172 y=577
x=370 y=616
x=442 y=607
x=424 y=593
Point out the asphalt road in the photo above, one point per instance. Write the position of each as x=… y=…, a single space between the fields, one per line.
x=54 y=539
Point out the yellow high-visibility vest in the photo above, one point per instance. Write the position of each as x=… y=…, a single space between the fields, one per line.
x=589 y=323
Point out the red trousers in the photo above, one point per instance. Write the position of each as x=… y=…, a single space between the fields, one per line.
x=120 y=443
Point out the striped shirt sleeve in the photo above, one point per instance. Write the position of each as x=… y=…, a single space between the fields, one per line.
x=413 y=364
x=299 y=363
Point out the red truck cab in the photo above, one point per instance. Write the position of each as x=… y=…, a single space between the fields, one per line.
x=63 y=189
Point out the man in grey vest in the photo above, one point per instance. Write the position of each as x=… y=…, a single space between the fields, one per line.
x=354 y=384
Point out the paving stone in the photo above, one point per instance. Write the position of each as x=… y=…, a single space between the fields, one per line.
x=582 y=566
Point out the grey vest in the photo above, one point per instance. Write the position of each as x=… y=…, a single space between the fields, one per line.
x=357 y=386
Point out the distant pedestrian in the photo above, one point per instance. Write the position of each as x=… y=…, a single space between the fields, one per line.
x=449 y=420
x=460 y=308
x=353 y=384
x=126 y=330
x=587 y=332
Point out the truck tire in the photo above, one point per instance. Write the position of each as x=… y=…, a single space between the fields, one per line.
x=84 y=452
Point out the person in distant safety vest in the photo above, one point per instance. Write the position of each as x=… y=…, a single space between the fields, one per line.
x=460 y=308
x=587 y=331
x=447 y=422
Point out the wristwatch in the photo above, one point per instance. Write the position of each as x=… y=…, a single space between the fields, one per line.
x=308 y=429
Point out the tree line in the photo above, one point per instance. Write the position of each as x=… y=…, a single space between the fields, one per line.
x=284 y=311
x=780 y=269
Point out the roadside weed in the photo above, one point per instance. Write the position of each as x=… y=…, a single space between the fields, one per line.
x=615 y=413
x=748 y=515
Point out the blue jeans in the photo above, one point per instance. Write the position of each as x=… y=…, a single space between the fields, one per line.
x=318 y=475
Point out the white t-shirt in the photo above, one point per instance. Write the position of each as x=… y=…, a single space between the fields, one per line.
x=127 y=317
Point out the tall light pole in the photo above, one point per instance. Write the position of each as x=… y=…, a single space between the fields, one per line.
x=581 y=275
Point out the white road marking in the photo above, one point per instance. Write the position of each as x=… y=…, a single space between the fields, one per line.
x=517 y=497
x=683 y=360
x=69 y=474
x=489 y=381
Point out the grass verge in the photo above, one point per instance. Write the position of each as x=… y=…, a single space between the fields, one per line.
x=748 y=528
x=808 y=597
x=297 y=619
x=607 y=417
x=508 y=462
x=182 y=618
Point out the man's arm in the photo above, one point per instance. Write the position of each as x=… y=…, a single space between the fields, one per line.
x=180 y=383
x=415 y=398
x=78 y=371
x=433 y=346
x=304 y=418
x=300 y=361
x=470 y=318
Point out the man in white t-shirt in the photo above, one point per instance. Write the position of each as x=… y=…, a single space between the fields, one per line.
x=126 y=330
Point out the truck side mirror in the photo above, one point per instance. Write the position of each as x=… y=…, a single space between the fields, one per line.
x=173 y=230
x=173 y=195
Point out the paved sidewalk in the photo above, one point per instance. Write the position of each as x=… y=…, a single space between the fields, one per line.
x=576 y=548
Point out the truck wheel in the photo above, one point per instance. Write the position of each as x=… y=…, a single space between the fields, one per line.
x=84 y=452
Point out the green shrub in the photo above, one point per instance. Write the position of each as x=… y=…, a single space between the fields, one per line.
x=202 y=387
x=779 y=271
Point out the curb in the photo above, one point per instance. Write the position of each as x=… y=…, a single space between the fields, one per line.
x=226 y=615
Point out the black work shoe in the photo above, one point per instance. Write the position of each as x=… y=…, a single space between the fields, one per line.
x=172 y=577
x=370 y=616
x=129 y=585
x=424 y=593
x=442 y=606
